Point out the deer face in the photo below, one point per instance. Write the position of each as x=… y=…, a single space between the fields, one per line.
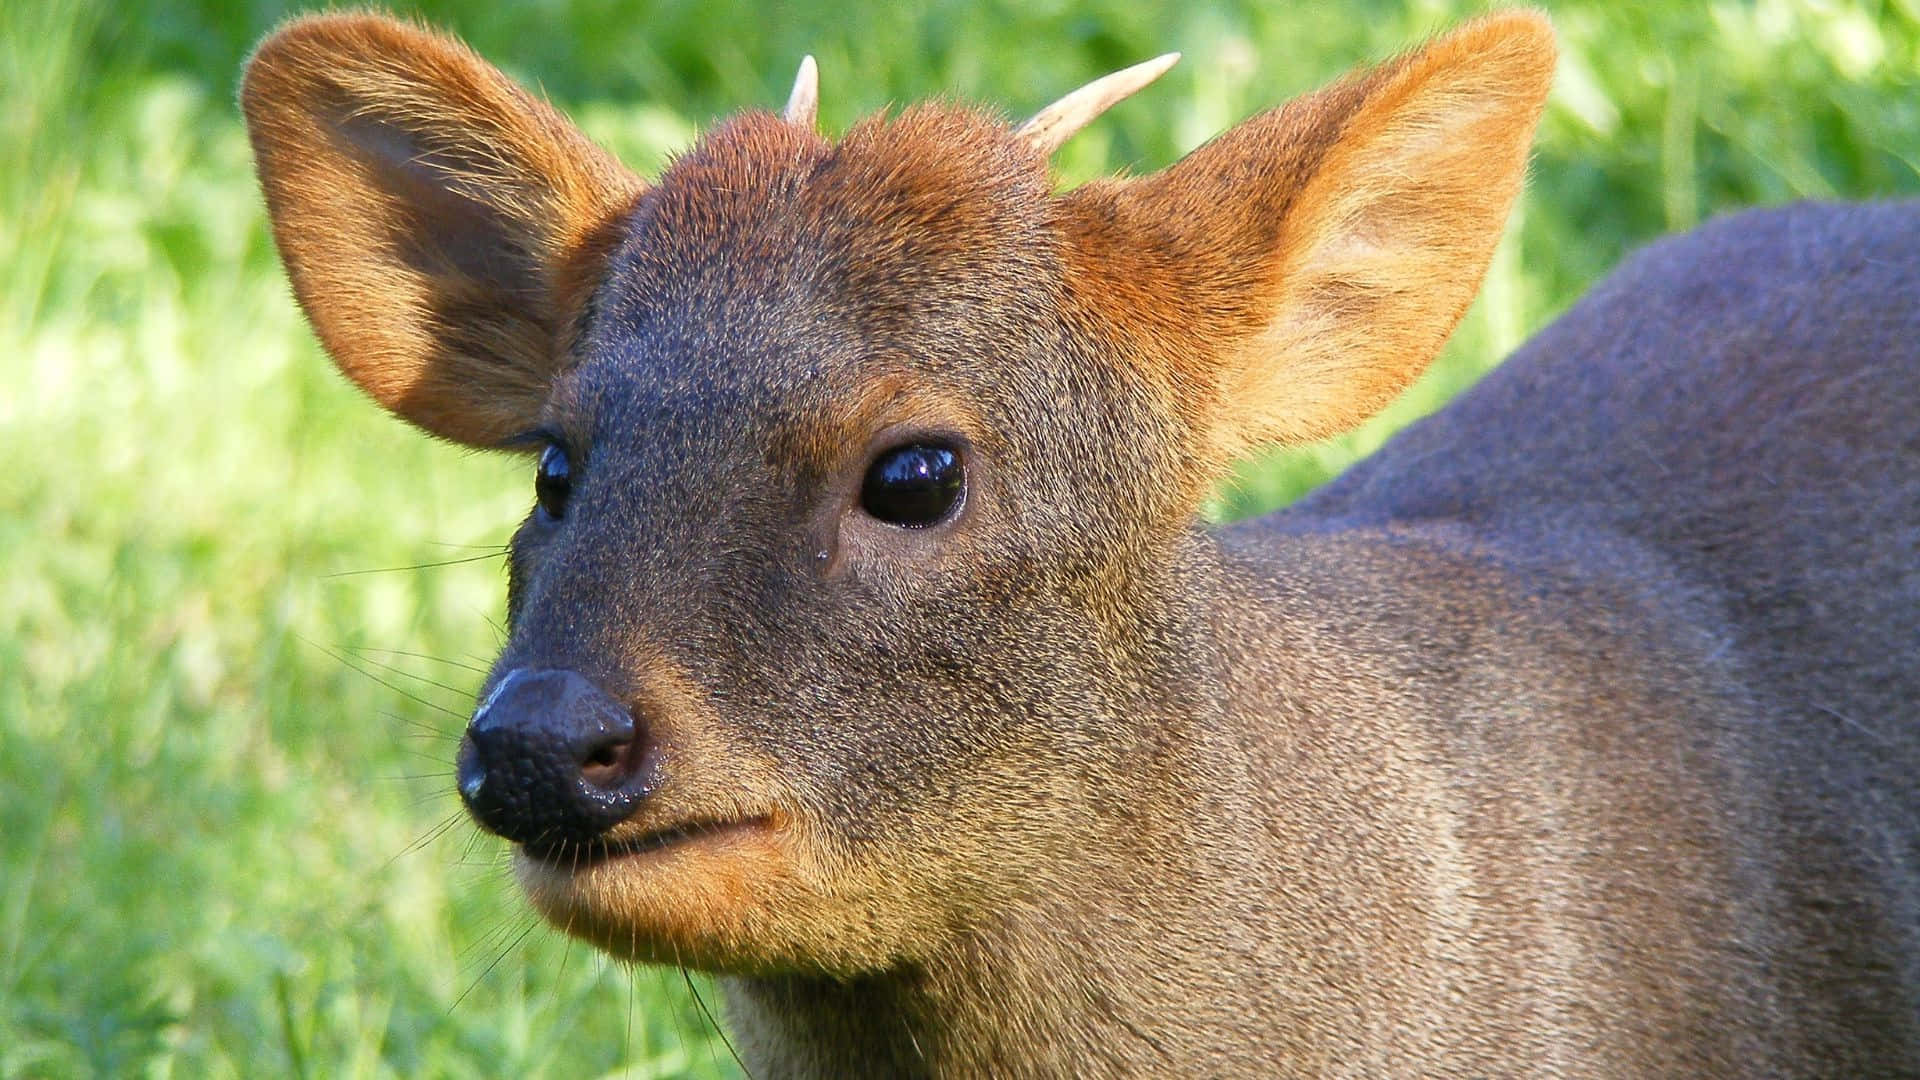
x=825 y=541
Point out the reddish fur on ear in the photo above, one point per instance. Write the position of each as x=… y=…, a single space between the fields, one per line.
x=441 y=226
x=1288 y=279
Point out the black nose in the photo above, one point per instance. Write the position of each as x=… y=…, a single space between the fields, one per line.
x=551 y=762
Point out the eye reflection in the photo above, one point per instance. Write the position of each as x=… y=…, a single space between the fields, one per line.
x=913 y=486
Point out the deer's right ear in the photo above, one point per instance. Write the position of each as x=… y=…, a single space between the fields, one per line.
x=443 y=229
x=1286 y=280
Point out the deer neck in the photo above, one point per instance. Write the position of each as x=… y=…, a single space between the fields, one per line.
x=1042 y=993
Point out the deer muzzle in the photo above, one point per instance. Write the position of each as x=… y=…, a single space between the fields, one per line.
x=551 y=762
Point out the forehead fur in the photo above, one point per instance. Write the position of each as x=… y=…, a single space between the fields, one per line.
x=920 y=195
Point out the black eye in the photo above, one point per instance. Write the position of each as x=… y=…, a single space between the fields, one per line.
x=553 y=482
x=913 y=486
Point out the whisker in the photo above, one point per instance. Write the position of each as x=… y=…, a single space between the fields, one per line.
x=426 y=730
x=410 y=777
x=417 y=566
x=717 y=1029
x=488 y=970
x=429 y=837
x=438 y=793
x=344 y=659
x=398 y=670
x=506 y=923
x=466 y=853
x=678 y=1015
x=425 y=755
x=477 y=667
x=566 y=952
x=631 y=982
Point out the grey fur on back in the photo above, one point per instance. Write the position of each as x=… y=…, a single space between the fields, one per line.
x=1732 y=422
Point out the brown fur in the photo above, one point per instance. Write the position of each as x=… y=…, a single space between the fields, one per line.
x=398 y=164
x=1571 y=734
x=1267 y=274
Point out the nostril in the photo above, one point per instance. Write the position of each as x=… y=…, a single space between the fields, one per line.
x=612 y=764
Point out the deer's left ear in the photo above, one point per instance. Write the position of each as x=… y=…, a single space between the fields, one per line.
x=441 y=226
x=1288 y=279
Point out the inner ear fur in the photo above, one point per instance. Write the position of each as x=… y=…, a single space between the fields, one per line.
x=442 y=228
x=1288 y=279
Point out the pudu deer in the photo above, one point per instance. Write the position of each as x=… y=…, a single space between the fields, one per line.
x=865 y=648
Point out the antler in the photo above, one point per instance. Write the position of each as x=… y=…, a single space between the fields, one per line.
x=1055 y=124
x=803 y=105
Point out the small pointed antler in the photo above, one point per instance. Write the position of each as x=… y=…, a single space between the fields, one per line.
x=1055 y=124
x=803 y=105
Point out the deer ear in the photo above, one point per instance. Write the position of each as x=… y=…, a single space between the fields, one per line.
x=442 y=228
x=1288 y=279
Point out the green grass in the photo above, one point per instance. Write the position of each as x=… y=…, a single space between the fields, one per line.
x=227 y=840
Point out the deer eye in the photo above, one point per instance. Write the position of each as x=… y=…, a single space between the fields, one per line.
x=553 y=482
x=913 y=486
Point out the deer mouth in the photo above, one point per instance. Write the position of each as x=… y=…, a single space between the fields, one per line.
x=696 y=892
x=574 y=857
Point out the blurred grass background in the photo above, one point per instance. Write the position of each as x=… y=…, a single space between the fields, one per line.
x=228 y=844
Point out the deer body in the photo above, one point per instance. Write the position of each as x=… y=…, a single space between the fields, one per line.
x=1655 y=683
x=864 y=649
